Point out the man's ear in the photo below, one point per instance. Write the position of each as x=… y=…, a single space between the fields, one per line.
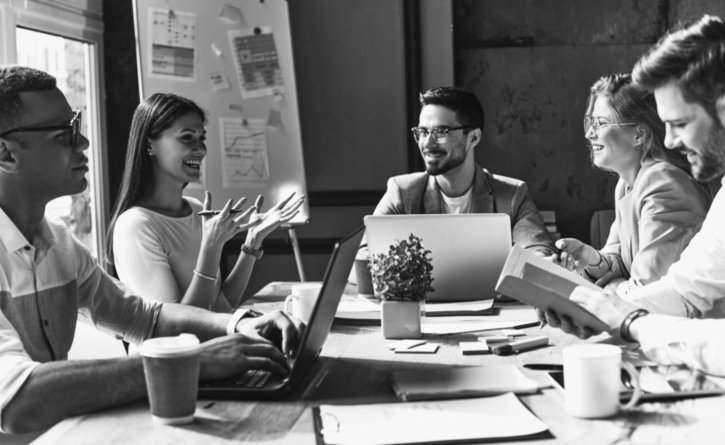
x=8 y=162
x=475 y=136
x=720 y=108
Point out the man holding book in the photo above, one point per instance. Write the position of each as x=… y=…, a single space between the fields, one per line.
x=686 y=71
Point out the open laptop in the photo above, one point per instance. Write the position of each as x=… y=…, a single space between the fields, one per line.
x=260 y=384
x=468 y=251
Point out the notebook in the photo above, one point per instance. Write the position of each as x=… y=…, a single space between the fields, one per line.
x=265 y=385
x=467 y=251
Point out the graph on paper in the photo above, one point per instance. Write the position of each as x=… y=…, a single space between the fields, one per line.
x=245 y=163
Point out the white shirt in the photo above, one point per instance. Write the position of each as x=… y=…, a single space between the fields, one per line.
x=695 y=285
x=461 y=204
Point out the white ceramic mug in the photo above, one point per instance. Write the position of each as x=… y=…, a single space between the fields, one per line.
x=592 y=380
x=302 y=300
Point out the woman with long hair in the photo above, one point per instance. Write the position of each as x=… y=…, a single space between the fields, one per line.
x=659 y=206
x=159 y=244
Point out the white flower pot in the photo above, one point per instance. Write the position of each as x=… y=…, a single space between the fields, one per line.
x=402 y=319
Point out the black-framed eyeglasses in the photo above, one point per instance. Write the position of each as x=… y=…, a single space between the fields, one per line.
x=74 y=127
x=440 y=134
x=595 y=123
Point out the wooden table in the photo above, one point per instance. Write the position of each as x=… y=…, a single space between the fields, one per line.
x=354 y=367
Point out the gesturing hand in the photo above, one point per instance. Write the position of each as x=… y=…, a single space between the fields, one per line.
x=219 y=229
x=575 y=254
x=276 y=216
x=225 y=357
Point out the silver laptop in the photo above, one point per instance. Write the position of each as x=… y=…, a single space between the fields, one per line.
x=262 y=384
x=468 y=251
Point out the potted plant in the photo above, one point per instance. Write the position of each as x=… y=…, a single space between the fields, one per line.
x=402 y=279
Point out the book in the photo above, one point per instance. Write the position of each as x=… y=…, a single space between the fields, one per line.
x=534 y=280
x=444 y=421
x=450 y=383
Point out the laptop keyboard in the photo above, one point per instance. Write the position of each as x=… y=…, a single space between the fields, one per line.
x=250 y=379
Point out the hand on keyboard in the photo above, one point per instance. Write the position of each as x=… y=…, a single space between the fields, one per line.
x=226 y=357
x=276 y=328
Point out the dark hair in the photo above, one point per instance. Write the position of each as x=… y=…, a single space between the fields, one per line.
x=154 y=115
x=15 y=80
x=465 y=104
x=633 y=104
x=693 y=57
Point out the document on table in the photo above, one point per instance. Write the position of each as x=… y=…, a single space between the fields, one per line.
x=496 y=417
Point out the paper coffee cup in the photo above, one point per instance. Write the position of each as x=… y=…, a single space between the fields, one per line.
x=171 y=368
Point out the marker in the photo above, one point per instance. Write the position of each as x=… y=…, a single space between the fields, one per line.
x=521 y=345
x=216 y=212
x=544 y=367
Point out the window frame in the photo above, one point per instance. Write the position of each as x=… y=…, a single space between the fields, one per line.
x=80 y=20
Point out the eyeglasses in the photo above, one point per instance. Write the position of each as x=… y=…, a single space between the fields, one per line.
x=595 y=124
x=74 y=127
x=440 y=134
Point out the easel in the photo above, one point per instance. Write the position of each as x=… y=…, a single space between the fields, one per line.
x=296 y=249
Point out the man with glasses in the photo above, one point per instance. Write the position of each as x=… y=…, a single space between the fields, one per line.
x=686 y=72
x=449 y=128
x=48 y=280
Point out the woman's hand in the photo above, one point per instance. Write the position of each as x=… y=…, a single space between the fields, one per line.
x=280 y=214
x=575 y=255
x=219 y=229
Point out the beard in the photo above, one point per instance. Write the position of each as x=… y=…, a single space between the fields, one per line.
x=457 y=157
x=709 y=162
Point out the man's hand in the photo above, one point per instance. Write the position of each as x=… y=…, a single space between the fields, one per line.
x=225 y=357
x=575 y=255
x=276 y=328
x=605 y=304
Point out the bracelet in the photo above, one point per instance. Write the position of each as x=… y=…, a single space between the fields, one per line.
x=624 y=333
x=236 y=317
x=252 y=251
x=204 y=276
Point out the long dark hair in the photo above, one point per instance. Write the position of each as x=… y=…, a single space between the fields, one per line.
x=154 y=115
x=633 y=104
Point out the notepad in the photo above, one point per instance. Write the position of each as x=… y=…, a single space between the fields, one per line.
x=460 y=382
x=488 y=418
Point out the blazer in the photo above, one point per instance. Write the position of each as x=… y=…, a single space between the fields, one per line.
x=418 y=193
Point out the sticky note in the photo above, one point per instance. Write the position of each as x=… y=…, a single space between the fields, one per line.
x=219 y=81
x=428 y=348
x=474 y=348
x=405 y=344
x=274 y=119
x=514 y=333
x=230 y=13
x=236 y=107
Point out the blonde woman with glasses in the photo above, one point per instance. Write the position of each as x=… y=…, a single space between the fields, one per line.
x=659 y=206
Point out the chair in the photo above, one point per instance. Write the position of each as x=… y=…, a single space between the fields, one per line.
x=599 y=228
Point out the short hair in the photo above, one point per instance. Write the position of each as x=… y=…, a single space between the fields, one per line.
x=694 y=57
x=155 y=114
x=15 y=80
x=631 y=103
x=465 y=104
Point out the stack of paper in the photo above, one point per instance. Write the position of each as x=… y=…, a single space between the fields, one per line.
x=489 y=418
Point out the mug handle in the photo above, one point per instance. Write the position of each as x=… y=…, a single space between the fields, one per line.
x=634 y=378
x=287 y=302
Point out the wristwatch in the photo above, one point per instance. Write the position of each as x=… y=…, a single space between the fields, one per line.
x=237 y=316
x=252 y=251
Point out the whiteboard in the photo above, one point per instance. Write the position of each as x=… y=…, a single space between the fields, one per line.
x=234 y=58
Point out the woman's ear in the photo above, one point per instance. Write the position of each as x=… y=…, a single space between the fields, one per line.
x=639 y=135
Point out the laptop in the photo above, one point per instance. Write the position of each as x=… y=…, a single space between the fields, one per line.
x=468 y=251
x=262 y=384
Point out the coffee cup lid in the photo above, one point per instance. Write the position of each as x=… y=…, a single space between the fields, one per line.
x=170 y=346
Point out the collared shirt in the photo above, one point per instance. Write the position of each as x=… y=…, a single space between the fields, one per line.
x=695 y=285
x=45 y=286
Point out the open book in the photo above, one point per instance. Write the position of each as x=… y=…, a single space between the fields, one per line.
x=533 y=280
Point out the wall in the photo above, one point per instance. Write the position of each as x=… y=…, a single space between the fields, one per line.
x=531 y=62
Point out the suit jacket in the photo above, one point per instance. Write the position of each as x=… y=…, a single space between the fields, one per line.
x=418 y=193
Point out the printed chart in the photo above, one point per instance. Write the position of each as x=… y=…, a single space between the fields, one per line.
x=257 y=62
x=245 y=163
x=173 y=36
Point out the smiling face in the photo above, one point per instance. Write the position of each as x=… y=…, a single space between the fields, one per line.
x=47 y=167
x=441 y=158
x=178 y=151
x=693 y=131
x=613 y=147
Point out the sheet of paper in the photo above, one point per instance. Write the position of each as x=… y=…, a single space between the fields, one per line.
x=426 y=348
x=479 y=305
x=257 y=62
x=405 y=344
x=245 y=162
x=400 y=423
x=173 y=44
x=357 y=307
x=459 y=328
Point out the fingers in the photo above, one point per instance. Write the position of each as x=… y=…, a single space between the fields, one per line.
x=238 y=205
x=244 y=217
x=552 y=318
x=288 y=218
x=288 y=327
x=258 y=202
x=284 y=202
x=296 y=205
x=207 y=201
x=249 y=225
x=290 y=343
x=225 y=211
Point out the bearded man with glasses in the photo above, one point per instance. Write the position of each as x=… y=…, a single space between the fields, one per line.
x=449 y=129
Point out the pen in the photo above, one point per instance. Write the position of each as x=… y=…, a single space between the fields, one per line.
x=543 y=367
x=542 y=323
x=521 y=345
x=216 y=212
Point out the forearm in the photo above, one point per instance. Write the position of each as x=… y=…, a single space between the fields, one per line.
x=57 y=390
x=175 y=319
x=236 y=283
x=200 y=292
